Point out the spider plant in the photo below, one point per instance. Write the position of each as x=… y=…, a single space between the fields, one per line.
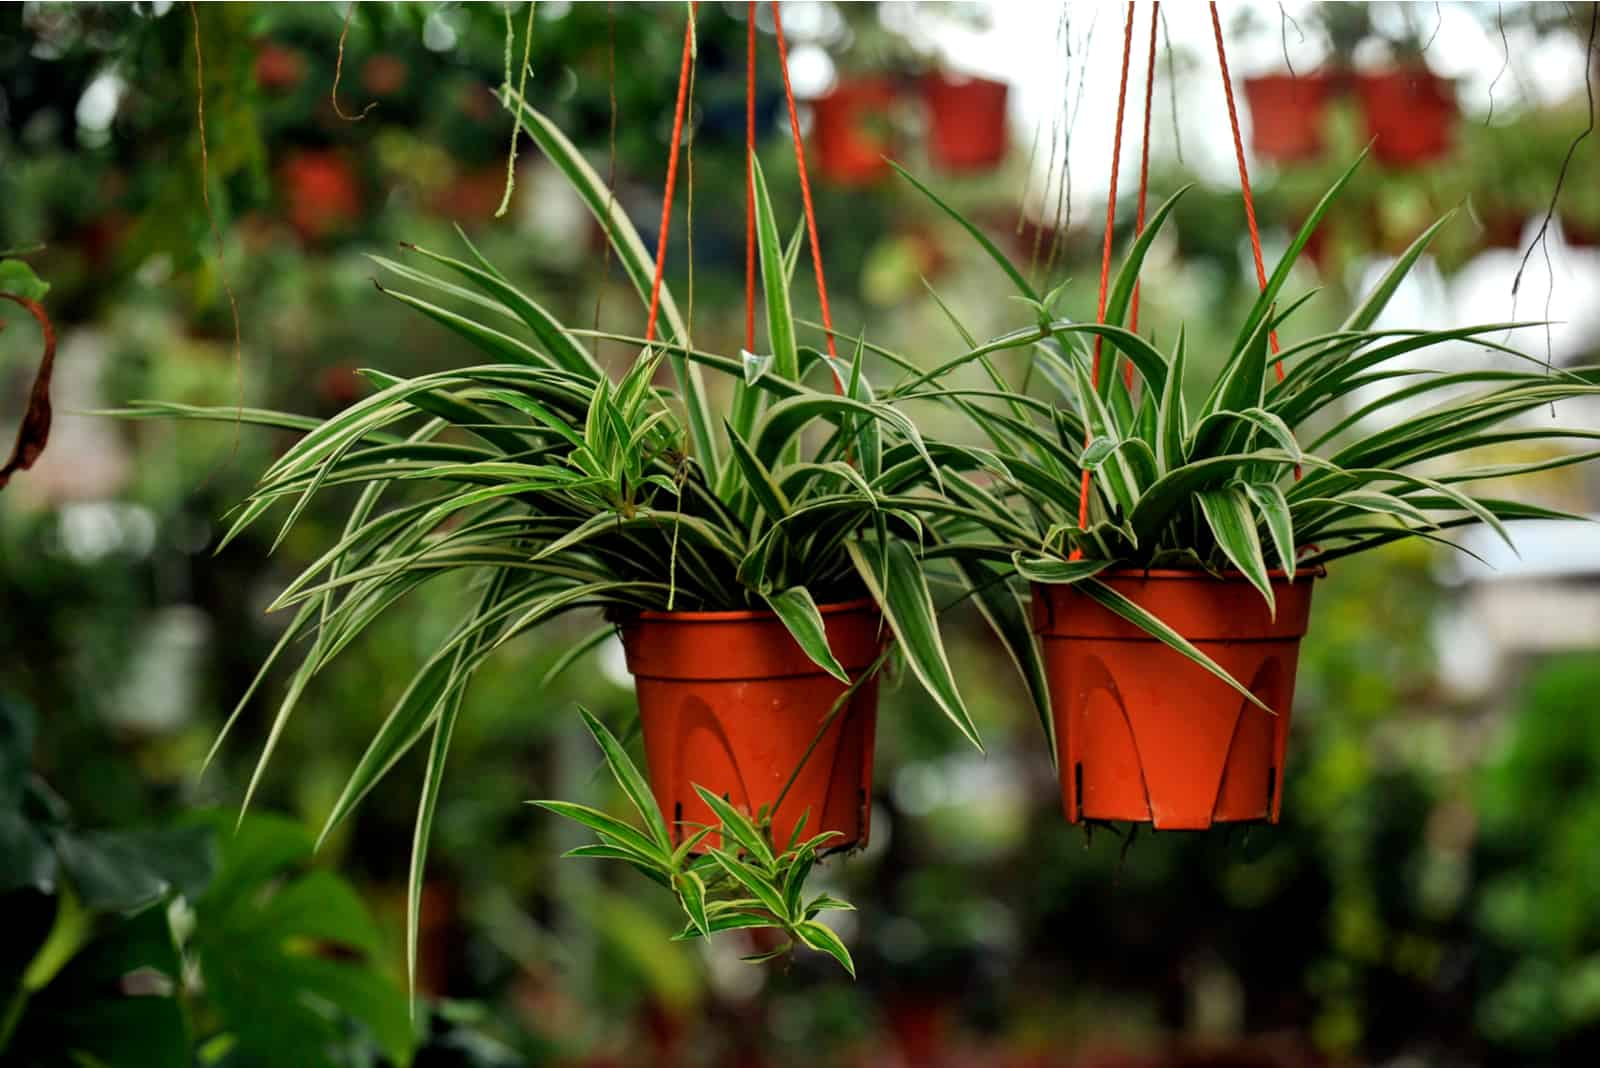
x=754 y=885
x=555 y=489
x=1262 y=473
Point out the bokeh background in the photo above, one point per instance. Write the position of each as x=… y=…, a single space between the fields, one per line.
x=1432 y=896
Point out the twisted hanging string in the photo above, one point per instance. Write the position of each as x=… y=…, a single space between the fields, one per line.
x=1144 y=177
x=805 y=196
x=750 y=179
x=1105 y=253
x=1244 y=176
x=672 y=175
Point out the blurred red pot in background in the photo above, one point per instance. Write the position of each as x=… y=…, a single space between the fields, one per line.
x=967 y=121
x=1286 y=114
x=321 y=192
x=852 y=130
x=1410 y=113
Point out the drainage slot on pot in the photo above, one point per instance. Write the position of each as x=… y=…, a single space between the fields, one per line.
x=1272 y=788
x=1077 y=789
x=677 y=818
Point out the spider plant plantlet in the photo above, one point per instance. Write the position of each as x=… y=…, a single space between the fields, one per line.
x=1170 y=621
x=552 y=489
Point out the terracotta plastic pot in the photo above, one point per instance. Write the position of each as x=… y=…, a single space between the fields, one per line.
x=321 y=192
x=967 y=121
x=852 y=132
x=1144 y=734
x=1502 y=230
x=729 y=701
x=1286 y=115
x=1580 y=234
x=1411 y=114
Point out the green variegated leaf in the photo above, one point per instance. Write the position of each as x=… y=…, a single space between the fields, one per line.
x=628 y=777
x=823 y=940
x=799 y=614
x=1269 y=500
x=1173 y=418
x=636 y=262
x=978 y=235
x=614 y=831
x=739 y=828
x=892 y=574
x=1054 y=571
x=692 y=894
x=1228 y=514
x=754 y=881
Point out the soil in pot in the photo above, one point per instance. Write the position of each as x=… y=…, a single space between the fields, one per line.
x=967 y=121
x=730 y=702
x=1286 y=115
x=1410 y=113
x=854 y=132
x=1144 y=734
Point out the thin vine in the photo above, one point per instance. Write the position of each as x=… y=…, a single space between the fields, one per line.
x=1542 y=238
x=522 y=95
x=338 y=72
x=211 y=222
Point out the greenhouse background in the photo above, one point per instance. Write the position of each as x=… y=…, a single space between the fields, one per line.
x=1431 y=895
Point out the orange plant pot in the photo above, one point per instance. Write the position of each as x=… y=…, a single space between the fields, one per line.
x=1144 y=734
x=730 y=702
x=967 y=121
x=1410 y=113
x=853 y=131
x=1286 y=115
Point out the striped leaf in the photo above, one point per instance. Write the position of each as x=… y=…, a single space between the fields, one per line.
x=636 y=263
x=1269 y=500
x=628 y=777
x=1056 y=572
x=1232 y=523
x=897 y=583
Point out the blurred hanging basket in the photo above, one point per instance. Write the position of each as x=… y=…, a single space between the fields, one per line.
x=853 y=130
x=1410 y=114
x=1145 y=735
x=1580 y=232
x=730 y=702
x=966 y=121
x=321 y=193
x=1502 y=229
x=1287 y=113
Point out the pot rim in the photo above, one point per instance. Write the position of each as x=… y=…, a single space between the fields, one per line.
x=1181 y=574
x=747 y=615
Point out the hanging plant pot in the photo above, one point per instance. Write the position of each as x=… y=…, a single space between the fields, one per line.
x=1144 y=734
x=1502 y=229
x=1410 y=113
x=321 y=193
x=966 y=121
x=853 y=131
x=730 y=702
x=1286 y=115
x=1580 y=233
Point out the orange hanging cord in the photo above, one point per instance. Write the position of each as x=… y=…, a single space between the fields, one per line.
x=750 y=179
x=1144 y=175
x=805 y=196
x=672 y=174
x=1105 y=253
x=1244 y=175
